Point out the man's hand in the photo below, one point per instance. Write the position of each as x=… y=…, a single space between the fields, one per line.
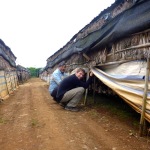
x=91 y=73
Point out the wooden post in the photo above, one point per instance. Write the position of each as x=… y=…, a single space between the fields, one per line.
x=142 y=119
x=15 y=74
x=3 y=77
x=86 y=91
x=113 y=51
x=94 y=89
x=17 y=78
x=6 y=82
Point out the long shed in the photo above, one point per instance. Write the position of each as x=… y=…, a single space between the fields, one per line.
x=116 y=46
x=8 y=74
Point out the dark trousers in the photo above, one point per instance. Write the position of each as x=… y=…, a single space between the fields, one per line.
x=54 y=93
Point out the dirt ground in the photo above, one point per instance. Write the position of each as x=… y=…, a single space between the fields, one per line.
x=31 y=120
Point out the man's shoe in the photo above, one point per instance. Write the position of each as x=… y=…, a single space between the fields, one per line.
x=75 y=109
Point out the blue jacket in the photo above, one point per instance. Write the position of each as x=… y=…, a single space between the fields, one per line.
x=55 y=79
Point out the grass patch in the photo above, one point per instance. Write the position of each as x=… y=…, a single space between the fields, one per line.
x=93 y=113
x=3 y=121
x=34 y=123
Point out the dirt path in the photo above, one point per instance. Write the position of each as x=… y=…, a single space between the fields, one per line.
x=31 y=120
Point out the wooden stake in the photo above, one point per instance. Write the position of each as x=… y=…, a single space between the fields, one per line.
x=142 y=119
x=94 y=89
x=86 y=91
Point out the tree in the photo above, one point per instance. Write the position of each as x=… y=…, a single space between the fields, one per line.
x=34 y=71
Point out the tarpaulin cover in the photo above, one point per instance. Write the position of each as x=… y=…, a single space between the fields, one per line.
x=129 y=89
x=133 y=20
x=129 y=70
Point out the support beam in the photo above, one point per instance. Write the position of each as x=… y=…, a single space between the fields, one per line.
x=94 y=87
x=86 y=91
x=142 y=119
x=87 y=57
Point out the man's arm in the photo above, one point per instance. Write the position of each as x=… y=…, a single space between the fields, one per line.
x=87 y=83
x=57 y=78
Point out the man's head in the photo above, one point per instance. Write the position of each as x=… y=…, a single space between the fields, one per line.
x=80 y=73
x=62 y=66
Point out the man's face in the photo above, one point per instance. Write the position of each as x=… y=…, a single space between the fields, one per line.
x=80 y=75
x=62 y=68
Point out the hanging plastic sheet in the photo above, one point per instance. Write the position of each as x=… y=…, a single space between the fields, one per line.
x=129 y=89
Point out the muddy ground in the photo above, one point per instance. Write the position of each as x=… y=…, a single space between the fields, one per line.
x=31 y=120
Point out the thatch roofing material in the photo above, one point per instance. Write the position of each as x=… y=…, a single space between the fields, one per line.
x=7 y=58
x=3 y=49
x=132 y=20
x=7 y=48
x=21 y=68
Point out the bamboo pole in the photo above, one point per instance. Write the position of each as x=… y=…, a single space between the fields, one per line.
x=142 y=119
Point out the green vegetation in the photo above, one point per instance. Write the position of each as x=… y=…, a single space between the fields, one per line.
x=34 y=71
x=34 y=122
x=93 y=113
x=114 y=106
x=3 y=121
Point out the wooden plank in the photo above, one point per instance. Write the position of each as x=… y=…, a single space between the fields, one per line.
x=133 y=47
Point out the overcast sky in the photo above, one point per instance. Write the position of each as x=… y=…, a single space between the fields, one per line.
x=36 y=29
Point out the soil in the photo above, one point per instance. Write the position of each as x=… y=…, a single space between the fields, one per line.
x=31 y=120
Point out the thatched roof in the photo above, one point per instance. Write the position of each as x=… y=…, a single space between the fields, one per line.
x=7 y=48
x=3 y=53
x=135 y=18
x=21 y=68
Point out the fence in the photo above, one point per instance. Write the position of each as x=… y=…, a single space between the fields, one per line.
x=8 y=83
x=45 y=78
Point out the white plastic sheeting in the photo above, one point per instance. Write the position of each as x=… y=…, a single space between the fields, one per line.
x=127 y=80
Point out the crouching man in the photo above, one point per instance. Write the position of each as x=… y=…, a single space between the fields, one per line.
x=72 y=88
x=57 y=76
